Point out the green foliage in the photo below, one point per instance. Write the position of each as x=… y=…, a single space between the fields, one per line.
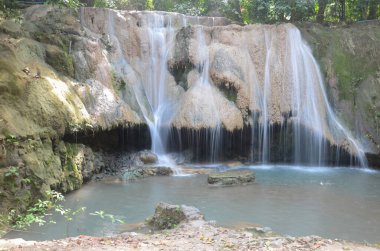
x=72 y=4
x=137 y=4
x=12 y=172
x=39 y=213
x=277 y=10
x=232 y=10
x=164 y=5
x=350 y=70
x=149 y=5
x=11 y=140
x=104 y=215
x=245 y=11
x=187 y=8
x=125 y=4
x=35 y=214
x=40 y=210
x=10 y=10
x=113 y=4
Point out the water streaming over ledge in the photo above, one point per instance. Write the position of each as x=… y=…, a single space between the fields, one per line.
x=286 y=105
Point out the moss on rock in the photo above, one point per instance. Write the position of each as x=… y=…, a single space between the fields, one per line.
x=350 y=61
x=60 y=60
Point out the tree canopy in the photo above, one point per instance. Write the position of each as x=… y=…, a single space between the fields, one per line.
x=260 y=11
x=244 y=11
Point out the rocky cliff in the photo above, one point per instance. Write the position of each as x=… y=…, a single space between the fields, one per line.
x=350 y=59
x=65 y=74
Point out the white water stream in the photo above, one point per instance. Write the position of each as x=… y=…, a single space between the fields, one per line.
x=285 y=83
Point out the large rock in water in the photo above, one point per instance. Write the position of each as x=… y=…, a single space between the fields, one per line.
x=230 y=178
x=167 y=216
x=148 y=157
x=144 y=172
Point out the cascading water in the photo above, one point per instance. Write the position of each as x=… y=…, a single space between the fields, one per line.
x=204 y=86
x=310 y=125
x=155 y=82
x=182 y=77
x=265 y=97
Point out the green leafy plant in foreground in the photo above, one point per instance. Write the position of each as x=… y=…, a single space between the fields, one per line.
x=39 y=212
x=111 y=217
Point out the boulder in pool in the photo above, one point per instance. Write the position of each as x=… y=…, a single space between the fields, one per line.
x=230 y=178
x=167 y=216
x=148 y=157
x=158 y=171
x=140 y=173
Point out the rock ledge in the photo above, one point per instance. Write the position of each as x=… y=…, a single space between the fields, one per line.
x=230 y=178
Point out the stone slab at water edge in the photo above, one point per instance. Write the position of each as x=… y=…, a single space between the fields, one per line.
x=230 y=178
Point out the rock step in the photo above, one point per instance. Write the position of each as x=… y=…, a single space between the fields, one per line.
x=230 y=178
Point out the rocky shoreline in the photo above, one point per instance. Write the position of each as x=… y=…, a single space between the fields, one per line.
x=192 y=233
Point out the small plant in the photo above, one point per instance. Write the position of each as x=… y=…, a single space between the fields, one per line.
x=68 y=213
x=12 y=172
x=35 y=214
x=104 y=215
x=39 y=211
x=26 y=181
x=12 y=140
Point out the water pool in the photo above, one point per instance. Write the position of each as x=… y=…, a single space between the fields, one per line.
x=330 y=202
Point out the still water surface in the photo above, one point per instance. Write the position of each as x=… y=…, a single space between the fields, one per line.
x=330 y=202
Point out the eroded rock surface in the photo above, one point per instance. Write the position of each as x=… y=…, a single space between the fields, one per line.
x=229 y=178
x=167 y=216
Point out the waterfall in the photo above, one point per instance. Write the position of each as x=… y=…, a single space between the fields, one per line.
x=155 y=82
x=312 y=121
x=204 y=86
x=179 y=67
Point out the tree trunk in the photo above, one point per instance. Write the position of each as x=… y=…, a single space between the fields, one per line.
x=321 y=10
x=373 y=9
x=342 y=14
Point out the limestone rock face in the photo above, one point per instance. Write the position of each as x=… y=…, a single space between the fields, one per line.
x=351 y=67
x=196 y=73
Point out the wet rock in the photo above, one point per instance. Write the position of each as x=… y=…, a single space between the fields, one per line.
x=263 y=230
x=156 y=171
x=163 y=171
x=231 y=178
x=168 y=216
x=148 y=157
x=134 y=174
x=140 y=173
